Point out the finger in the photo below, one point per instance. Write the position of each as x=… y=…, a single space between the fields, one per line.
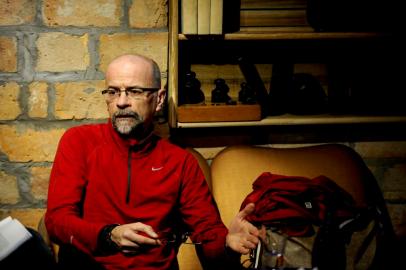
x=137 y=237
x=150 y=232
x=262 y=232
x=252 y=229
x=238 y=247
x=140 y=227
x=249 y=245
x=248 y=209
x=243 y=250
x=129 y=246
x=145 y=240
x=252 y=239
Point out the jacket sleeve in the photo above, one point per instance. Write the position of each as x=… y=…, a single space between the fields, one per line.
x=200 y=213
x=65 y=194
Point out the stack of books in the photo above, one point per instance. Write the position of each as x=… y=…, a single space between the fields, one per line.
x=262 y=14
x=208 y=17
x=201 y=17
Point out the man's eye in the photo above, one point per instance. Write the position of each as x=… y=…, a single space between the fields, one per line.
x=112 y=92
x=134 y=91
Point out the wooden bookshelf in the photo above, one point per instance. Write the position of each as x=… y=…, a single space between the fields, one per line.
x=267 y=34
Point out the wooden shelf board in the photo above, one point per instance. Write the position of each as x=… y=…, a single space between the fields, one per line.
x=288 y=119
x=218 y=113
x=281 y=34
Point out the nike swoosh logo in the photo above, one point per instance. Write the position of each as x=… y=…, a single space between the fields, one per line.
x=154 y=169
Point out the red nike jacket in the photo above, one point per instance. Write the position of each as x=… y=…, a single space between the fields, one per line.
x=99 y=178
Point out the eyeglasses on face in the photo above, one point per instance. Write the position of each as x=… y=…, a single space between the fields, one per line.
x=135 y=93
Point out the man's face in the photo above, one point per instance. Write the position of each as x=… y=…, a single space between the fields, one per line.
x=132 y=113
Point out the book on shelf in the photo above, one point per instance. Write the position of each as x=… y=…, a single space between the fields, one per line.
x=273 y=17
x=275 y=13
x=203 y=17
x=216 y=17
x=188 y=17
x=12 y=235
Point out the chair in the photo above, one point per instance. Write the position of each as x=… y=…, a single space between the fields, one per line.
x=187 y=257
x=44 y=234
x=235 y=168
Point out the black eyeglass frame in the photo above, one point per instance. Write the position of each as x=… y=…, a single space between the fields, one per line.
x=134 y=90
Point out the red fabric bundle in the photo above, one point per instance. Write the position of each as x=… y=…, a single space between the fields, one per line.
x=295 y=203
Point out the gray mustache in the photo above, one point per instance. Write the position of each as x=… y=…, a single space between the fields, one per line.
x=126 y=114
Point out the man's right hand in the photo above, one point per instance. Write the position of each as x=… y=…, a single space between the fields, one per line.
x=132 y=237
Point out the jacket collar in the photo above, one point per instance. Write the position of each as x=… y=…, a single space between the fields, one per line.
x=137 y=147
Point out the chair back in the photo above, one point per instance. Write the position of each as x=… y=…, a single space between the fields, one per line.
x=235 y=168
x=187 y=257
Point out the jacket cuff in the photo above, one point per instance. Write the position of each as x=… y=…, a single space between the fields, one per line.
x=105 y=245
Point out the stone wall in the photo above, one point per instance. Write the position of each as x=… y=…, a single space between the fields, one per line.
x=52 y=57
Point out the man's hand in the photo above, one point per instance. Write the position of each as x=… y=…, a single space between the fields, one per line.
x=242 y=235
x=132 y=237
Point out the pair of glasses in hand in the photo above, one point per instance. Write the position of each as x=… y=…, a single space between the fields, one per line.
x=168 y=238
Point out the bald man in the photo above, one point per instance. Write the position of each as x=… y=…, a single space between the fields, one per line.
x=121 y=197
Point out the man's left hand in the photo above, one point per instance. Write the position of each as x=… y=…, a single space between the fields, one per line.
x=242 y=235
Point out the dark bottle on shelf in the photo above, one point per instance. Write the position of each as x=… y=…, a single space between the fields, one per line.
x=246 y=95
x=192 y=92
x=220 y=93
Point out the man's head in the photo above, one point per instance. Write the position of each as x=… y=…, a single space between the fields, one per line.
x=133 y=93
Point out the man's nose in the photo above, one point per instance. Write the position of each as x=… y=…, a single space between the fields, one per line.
x=123 y=100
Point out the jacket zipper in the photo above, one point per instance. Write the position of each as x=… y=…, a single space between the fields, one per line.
x=127 y=199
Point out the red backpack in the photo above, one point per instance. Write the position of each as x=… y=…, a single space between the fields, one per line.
x=311 y=224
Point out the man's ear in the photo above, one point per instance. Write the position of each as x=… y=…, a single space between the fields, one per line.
x=160 y=99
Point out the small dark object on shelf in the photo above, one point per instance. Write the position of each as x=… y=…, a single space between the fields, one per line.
x=280 y=88
x=307 y=95
x=193 y=93
x=220 y=93
x=253 y=78
x=247 y=94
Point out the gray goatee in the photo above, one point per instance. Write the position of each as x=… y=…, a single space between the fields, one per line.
x=126 y=122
